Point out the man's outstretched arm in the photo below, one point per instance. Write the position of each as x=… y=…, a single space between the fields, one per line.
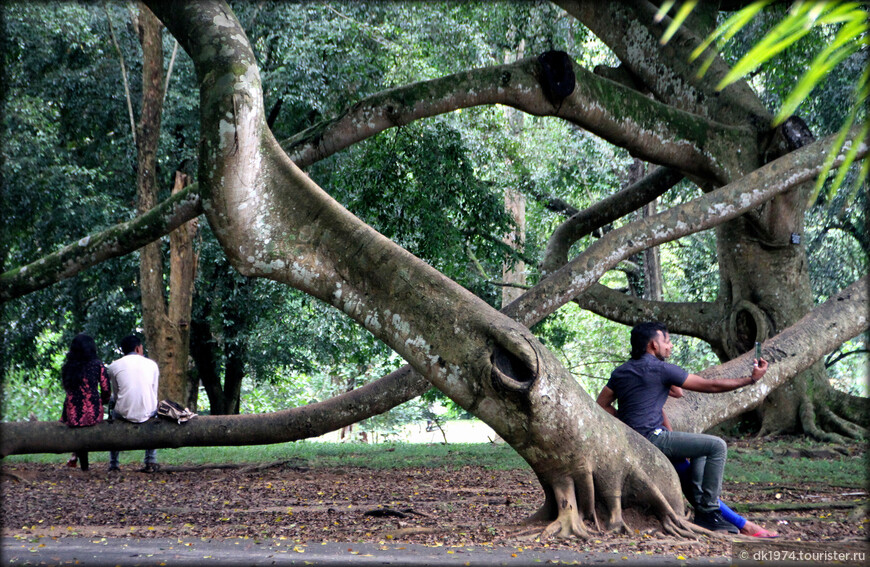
x=697 y=384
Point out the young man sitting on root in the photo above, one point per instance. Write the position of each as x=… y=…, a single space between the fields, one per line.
x=641 y=387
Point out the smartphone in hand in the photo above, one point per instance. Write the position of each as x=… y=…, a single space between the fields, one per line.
x=757 y=352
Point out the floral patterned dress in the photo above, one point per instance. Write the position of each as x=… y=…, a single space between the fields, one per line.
x=84 y=405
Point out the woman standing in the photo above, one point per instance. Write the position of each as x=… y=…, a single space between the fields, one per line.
x=87 y=388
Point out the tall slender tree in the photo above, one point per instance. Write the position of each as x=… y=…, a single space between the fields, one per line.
x=166 y=319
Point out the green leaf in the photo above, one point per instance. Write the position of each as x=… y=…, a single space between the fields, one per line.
x=836 y=146
x=802 y=18
x=730 y=27
x=702 y=70
x=663 y=10
x=818 y=70
x=840 y=13
x=778 y=39
x=850 y=159
x=678 y=20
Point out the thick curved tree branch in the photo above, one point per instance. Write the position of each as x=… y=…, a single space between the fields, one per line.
x=695 y=319
x=391 y=389
x=650 y=130
x=168 y=215
x=629 y=29
x=551 y=203
x=795 y=349
x=837 y=356
x=294 y=424
x=707 y=211
x=515 y=84
x=607 y=210
x=698 y=319
x=113 y=242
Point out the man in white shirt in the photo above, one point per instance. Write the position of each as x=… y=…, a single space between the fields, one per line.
x=134 y=391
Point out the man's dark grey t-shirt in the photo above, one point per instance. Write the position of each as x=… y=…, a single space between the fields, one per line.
x=641 y=388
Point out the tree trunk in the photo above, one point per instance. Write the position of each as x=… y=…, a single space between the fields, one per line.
x=514 y=277
x=646 y=262
x=788 y=353
x=223 y=396
x=151 y=282
x=203 y=351
x=183 y=261
x=760 y=307
x=228 y=327
x=272 y=221
x=166 y=323
x=652 y=264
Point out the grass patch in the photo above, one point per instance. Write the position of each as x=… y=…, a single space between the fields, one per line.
x=767 y=467
x=314 y=454
x=762 y=466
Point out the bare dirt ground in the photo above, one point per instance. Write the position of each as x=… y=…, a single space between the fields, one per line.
x=437 y=506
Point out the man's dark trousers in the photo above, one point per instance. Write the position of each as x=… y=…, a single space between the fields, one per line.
x=708 y=454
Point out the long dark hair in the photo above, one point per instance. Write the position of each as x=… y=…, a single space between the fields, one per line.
x=81 y=351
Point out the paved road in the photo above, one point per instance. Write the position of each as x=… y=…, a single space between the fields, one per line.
x=87 y=552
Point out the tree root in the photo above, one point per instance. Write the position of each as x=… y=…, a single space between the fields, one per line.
x=811 y=428
x=566 y=525
x=569 y=524
x=679 y=527
x=845 y=427
x=568 y=521
x=850 y=407
x=614 y=522
x=808 y=418
x=839 y=429
x=526 y=531
x=561 y=502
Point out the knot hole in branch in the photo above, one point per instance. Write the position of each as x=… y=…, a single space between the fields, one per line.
x=748 y=323
x=557 y=76
x=511 y=372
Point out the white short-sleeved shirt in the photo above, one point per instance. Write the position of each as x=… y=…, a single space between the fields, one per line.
x=134 y=387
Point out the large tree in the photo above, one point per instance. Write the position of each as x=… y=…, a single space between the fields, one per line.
x=274 y=222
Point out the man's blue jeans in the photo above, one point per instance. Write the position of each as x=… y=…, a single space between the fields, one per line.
x=708 y=454
x=150 y=454
x=150 y=457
